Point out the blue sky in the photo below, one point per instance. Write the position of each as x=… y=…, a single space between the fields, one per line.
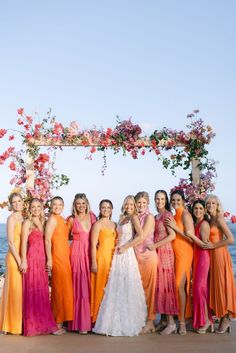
x=92 y=60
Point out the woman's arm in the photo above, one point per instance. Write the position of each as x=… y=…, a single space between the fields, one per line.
x=70 y=224
x=188 y=225
x=171 y=236
x=204 y=233
x=138 y=238
x=229 y=238
x=24 y=241
x=49 y=229
x=11 y=222
x=94 y=242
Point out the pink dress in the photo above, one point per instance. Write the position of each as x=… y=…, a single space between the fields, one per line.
x=37 y=315
x=201 y=266
x=166 y=298
x=80 y=266
x=147 y=262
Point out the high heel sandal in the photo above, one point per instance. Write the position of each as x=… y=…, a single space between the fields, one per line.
x=161 y=326
x=182 y=328
x=209 y=327
x=148 y=329
x=170 y=328
x=225 y=326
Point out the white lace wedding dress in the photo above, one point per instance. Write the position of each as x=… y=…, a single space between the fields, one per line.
x=123 y=309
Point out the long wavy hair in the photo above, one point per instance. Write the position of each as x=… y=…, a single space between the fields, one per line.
x=123 y=211
x=42 y=215
x=201 y=202
x=11 y=197
x=84 y=198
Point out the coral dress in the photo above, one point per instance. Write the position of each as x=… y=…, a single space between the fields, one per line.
x=80 y=266
x=105 y=250
x=147 y=262
x=166 y=298
x=11 y=301
x=123 y=309
x=183 y=251
x=37 y=315
x=201 y=266
x=222 y=285
x=61 y=281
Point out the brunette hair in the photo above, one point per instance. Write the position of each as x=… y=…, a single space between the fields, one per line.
x=178 y=192
x=100 y=204
x=167 y=203
x=201 y=202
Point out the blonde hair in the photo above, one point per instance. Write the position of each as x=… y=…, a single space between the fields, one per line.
x=142 y=194
x=83 y=197
x=11 y=197
x=42 y=215
x=219 y=208
x=123 y=211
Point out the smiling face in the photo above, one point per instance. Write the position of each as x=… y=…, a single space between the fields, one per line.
x=129 y=207
x=160 y=201
x=142 y=205
x=198 y=211
x=105 y=210
x=211 y=206
x=176 y=201
x=57 y=206
x=81 y=206
x=17 y=204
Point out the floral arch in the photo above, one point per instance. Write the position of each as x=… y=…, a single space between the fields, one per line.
x=35 y=174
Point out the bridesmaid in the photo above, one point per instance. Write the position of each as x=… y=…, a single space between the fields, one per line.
x=222 y=286
x=166 y=299
x=37 y=315
x=183 y=250
x=58 y=263
x=11 y=301
x=102 y=248
x=80 y=224
x=147 y=260
x=202 y=320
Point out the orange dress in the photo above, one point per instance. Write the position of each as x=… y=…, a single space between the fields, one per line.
x=183 y=251
x=61 y=282
x=105 y=250
x=222 y=286
x=11 y=301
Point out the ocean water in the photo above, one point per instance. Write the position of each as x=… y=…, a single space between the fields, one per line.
x=4 y=246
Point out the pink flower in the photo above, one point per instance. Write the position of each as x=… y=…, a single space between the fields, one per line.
x=93 y=149
x=12 y=166
x=11 y=137
x=20 y=111
x=2 y=132
x=233 y=219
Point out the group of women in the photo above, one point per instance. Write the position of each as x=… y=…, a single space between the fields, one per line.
x=114 y=279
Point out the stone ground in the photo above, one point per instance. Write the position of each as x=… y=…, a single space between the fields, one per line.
x=151 y=343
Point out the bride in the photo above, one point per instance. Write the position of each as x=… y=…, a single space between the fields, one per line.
x=123 y=309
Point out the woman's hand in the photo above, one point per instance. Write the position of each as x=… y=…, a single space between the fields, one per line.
x=94 y=267
x=23 y=267
x=208 y=245
x=170 y=222
x=49 y=266
x=120 y=250
x=151 y=247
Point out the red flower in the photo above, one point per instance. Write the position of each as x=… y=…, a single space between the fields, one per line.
x=143 y=152
x=93 y=149
x=20 y=122
x=233 y=219
x=12 y=166
x=29 y=119
x=20 y=111
x=226 y=214
x=2 y=132
x=11 y=137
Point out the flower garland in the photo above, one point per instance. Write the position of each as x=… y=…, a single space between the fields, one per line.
x=126 y=137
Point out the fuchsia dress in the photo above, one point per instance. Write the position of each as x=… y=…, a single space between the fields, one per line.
x=80 y=266
x=37 y=315
x=166 y=298
x=201 y=267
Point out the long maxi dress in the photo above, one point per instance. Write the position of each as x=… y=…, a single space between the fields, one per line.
x=61 y=281
x=37 y=314
x=222 y=284
x=123 y=309
x=11 y=300
x=201 y=267
x=105 y=250
x=147 y=262
x=183 y=251
x=81 y=276
x=166 y=298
